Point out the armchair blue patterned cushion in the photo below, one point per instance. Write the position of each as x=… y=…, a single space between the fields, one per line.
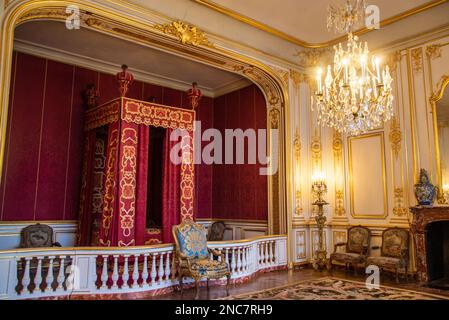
x=192 y=240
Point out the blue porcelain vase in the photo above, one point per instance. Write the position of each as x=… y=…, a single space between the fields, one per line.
x=425 y=191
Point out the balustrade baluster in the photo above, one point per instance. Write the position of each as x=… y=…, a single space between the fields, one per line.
x=135 y=271
x=49 y=279
x=262 y=254
x=125 y=274
x=269 y=253
x=273 y=251
x=219 y=257
x=161 y=268
x=153 y=270
x=115 y=274
x=233 y=264
x=26 y=280
x=167 y=267
x=239 y=261
x=38 y=276
x=227 y=256
x=104 y=272
x=244 y=259
x=145 y=270
x=61 y=273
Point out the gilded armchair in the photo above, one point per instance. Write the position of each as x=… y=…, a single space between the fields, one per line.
x=394 y=251
x=356 y=248
x=193 y=255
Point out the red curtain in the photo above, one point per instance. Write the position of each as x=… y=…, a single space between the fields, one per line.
x=125 y=199
x=85 y=209
x=170 y=190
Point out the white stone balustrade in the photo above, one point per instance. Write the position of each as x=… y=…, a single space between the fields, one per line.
x=36 y=273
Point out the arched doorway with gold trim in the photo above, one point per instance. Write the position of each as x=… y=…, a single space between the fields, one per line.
x=189 y=42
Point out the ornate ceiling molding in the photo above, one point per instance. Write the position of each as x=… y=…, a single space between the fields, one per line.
x=263 y=27
x=310 y=58
x=186 y=33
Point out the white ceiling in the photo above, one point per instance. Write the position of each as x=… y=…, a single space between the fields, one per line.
x=305 y=19
x=51 y=38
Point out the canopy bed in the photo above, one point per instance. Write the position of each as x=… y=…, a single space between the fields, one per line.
x=131 y=192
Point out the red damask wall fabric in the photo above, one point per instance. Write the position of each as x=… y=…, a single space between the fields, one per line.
x=239 y=192
x=171 y=192
x=44 y=143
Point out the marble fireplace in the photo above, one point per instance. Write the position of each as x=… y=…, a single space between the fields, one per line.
x=430 y=230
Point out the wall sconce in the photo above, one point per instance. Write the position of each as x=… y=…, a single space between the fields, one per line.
x=319 y=187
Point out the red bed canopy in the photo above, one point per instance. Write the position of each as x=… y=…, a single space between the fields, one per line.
x=114 y=195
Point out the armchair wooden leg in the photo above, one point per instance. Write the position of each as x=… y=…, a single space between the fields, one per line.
x=227 y=283
x=397 y=274
x=180 y=283
x=208 y=284
x=354 y=266
x=197 y=292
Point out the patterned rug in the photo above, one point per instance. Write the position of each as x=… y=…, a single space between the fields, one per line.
x=330 y=288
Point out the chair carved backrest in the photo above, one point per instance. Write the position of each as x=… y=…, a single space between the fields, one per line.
x=190 y=238
x=216 y=231
x=358 y=239
x=35 y=236
x=395 y=242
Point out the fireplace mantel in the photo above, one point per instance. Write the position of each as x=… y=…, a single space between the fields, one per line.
x=422 y=217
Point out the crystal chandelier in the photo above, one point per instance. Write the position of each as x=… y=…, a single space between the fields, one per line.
x=356 y=95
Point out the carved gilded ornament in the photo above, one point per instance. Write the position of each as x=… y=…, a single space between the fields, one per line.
x=393 y=59
x=434 y=51
x=297 y=77
x=316 y=150
x=254 y=74
x=337 y=145
x=399 y=209
x=395 y=136
x=186 y=33
x=274 y=118
x=417 y=60
x=282 y=73
x=314 y=57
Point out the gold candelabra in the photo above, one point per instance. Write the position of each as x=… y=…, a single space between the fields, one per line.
x=319 y=189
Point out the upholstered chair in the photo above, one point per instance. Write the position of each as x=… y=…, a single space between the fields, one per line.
x=394 y=251
x=216 y=231
x=36 y=236
x=356 y=248
x=193 y=255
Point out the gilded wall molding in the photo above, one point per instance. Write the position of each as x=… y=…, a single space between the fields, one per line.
x=185 y=33
x=337 y=145
x=399 y=210
x=417 y=59
x=316 y=149
x=395 y=136
x=297 y=175
x=297 y=77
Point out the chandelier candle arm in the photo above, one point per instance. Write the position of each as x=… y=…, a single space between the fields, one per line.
x=357 y=95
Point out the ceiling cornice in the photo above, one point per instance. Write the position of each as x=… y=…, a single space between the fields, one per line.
x=111 y=68
x=261 y=26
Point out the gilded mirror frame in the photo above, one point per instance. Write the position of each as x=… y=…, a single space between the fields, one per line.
x=437 y=96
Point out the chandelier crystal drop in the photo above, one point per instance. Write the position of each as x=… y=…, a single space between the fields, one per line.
x=355 y=95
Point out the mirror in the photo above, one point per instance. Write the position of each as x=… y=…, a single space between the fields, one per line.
x=442 y=124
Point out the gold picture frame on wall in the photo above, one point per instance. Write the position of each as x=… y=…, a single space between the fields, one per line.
x=363 y=189
x=437 y=96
